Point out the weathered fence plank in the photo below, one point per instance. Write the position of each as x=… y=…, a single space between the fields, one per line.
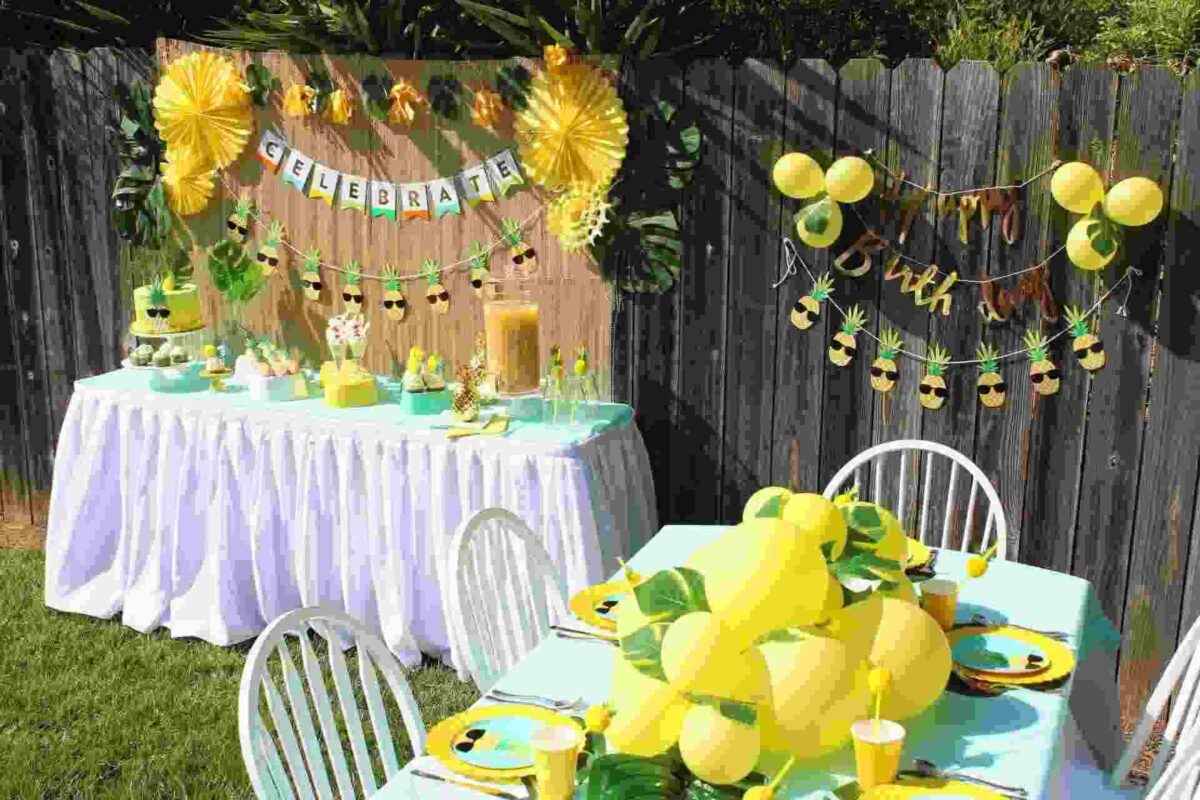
x=624 y=353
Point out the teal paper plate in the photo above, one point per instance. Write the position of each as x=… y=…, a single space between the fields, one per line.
x=997 y=653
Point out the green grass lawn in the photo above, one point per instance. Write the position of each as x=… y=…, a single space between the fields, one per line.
x=90 y=708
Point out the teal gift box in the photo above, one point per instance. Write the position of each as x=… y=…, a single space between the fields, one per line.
x=425 y=402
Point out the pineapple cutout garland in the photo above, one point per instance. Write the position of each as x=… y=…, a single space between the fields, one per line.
x=933 y=385
x=1084 y=343
x=808 y=308
x=464 y=402
x=268 y=253
x=844 y=346
x=991 y=386
x=238 y=223
x=479 y=267
x=1042 y=371
x=883 y=371
x=524 y=258
x=436 y=294
x=352 y=295
x=310 y=279
x=157 y=311
x=394 y=304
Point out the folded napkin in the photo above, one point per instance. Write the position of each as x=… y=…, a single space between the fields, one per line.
x=494 y=426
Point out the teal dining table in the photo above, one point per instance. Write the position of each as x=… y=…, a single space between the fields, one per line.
x=1019 y=738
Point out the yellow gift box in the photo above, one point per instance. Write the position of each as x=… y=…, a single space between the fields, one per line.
x=349 y=385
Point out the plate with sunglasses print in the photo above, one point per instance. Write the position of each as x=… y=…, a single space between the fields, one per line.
x=492 y=742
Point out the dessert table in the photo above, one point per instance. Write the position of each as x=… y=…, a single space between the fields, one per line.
x=211 y=513
x=1020 y=738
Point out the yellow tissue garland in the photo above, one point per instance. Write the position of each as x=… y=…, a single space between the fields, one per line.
x=202 y=105
x=298 y=100
x=188 y=180
x=574 y=131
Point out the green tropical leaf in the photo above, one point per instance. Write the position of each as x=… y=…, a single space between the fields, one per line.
x=643 y=649
x=863 y=518
x=745 y=713
x=233 y=273
x=670 y=593
x=619 y=776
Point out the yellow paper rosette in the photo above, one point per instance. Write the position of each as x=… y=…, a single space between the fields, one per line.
x=404 y=100
x=298 y=100
x=486 y=110
x=339 y=110
x=201 y=105
x=556 y=56
x=188 y=179
x=574 y=131
x=577 y=217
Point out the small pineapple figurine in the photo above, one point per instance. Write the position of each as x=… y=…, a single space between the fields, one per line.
x=1042 y=371
x=352 y=295
x=310 y=279
x=464 y=402
x=883 y=371
x=844 y=346
x=478 y=256
x=268 y=253
x=1084 y=343
x=524 y=258
x=990 y=385
x=394 y=304
x=808 y=308
x=933 y=385
x=237 y=225
x=436 y=294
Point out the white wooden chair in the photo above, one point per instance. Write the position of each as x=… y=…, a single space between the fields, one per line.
x=311 y=749
x=503 y=594
x=903 y=456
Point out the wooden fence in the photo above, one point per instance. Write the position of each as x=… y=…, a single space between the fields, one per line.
x=1099 y=480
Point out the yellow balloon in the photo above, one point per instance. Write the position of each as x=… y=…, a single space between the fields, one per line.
x=894 y=545
x=768 y=502
x=1077 y=187
x=818 y=518
x=833 y=599
x=833 y=228
x=849 y=179
x=904 y=591
x=1080 y=249
x=819 y=732
x=648 y=712
x=805 y=677
x=697 y=657
x=718 y=749
x=798 y=176
x=1133 y=202
x=760 y=576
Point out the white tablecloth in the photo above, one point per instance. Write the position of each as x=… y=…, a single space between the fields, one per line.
x=212 y=519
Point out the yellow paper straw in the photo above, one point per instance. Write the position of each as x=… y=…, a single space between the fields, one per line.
x=779 y=776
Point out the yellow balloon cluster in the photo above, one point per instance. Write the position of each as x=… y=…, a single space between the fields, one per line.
x=847 y=180
x=748 y=650
x=1077 y=187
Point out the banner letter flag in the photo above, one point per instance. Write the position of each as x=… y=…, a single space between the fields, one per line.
x=297 y=168
x=414 y=201
x=445 y=197
x=475 y=185
x=353 y=193
x=324 y=183
x=271 y=149
x=504 y=172
x=383 y=199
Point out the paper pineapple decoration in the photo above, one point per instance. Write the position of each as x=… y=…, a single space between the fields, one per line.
x=883 y=371
x=844 y=346
x=237 y=224
x=933 y=385
x=436 y=294
x=1086 y=345
x=1042 y=371
x=808 y=308
x=524 y=258
x=464 y=402
x=394 y=304
x=268 y=253
x=157 y=310
x=990 y=385
x=580 y=367
x=479 y=267
x=310 y=279
x=352 y=295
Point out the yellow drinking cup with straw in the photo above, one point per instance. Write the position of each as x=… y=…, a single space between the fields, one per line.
x=877 y=742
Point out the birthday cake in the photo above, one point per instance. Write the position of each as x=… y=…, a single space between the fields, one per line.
x=162 y=307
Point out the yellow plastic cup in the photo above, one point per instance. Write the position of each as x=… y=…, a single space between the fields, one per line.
x=877 y=746
x=555 y=750
x=939 y=598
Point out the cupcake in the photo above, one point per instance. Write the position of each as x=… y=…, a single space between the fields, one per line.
x=434 y=382
x=214 y=364
x=161 y=357
x=179 y=355
x=413 y=381
x=141 y=355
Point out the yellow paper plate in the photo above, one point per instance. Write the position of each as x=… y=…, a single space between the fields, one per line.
x=586 y=603
x=491 y=743
x=918 y=554
x=913 y=788
x=1062 y=660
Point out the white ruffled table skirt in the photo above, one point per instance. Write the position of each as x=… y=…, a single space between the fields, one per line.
x=213 y=521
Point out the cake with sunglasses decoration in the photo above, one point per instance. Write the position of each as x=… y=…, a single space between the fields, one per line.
x=167 y=305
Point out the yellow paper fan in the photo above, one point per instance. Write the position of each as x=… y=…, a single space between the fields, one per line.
x=574 y=131
x=578 y=217
x=202 y=105
x=188 y=180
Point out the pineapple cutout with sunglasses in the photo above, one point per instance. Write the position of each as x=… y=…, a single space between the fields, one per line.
x=157 y=310
x=808 y=308
x=1084 y=342
x=883 y=371
x=844 y=346
x=1042 y=371
x=436 y=294
x=310 y=279
x=524 y=258
x=478 y=256
x=268 y=253
x=237 y=225
x=352 y=294
x=991 y=386
x=394 y=304
x=933 y=385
